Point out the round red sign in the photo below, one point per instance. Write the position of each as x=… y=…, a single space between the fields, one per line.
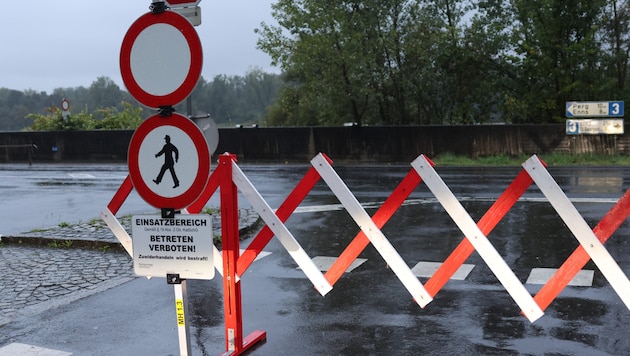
x=169 y=162
x=161 y=59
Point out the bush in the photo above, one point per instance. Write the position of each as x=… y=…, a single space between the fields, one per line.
x=111 y=119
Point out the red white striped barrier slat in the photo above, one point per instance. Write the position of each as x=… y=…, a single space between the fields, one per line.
x=285 y=210
x=382 y=215
x=121 y=195
x=578 y=259
x=109 y=215
x=373 y=233
x=280 y=230
x=580 y=229
x=478 y=239
x=486 y=224
x=208 y=191
x=118 y=230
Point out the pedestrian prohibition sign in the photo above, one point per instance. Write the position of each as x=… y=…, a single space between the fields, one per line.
x=169 y=162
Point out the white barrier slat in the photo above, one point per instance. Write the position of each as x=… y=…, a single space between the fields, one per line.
x=182 y=310
x=118 y=230
x=480 y=242
x=580 y=229
x=217 y=257
x=280 y=230
x=373 y=233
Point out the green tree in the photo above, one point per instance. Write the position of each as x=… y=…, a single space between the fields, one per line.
x=54 y=121
x=113 y=119
x=16 y=105
x=259 y=92
x=457 y=64
x=233 y=100
x=615 y=47
x=228 y=99
x=320 y=60
x=556 y=57
x=103 y=92
x=444 y=61
x=375 y=62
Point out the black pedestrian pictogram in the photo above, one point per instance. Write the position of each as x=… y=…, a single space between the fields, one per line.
x=168 y=150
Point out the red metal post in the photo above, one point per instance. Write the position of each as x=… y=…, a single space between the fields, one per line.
x=230 y=243
x=233 y=309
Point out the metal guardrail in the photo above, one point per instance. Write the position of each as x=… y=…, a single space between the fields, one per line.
x=31 y=147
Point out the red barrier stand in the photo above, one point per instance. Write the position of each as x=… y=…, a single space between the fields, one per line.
x=233 y=311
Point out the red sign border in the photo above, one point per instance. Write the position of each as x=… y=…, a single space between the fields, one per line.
x=196 y=58
x=203 y=171
x=182 y=3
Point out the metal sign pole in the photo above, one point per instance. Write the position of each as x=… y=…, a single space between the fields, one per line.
x=181 y=306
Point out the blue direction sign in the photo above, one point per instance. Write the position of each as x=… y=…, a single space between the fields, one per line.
x=594 y=109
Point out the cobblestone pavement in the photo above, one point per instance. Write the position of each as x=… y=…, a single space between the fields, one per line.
x=37 y=278
x=46 y=268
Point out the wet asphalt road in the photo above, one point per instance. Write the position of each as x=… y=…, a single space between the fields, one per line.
x=368 y=312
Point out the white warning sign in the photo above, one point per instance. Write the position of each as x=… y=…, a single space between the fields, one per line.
x=181 y=245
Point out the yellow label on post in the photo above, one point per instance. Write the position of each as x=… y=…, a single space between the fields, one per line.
x=179 y=306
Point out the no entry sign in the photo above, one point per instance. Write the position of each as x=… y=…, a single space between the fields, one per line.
x=169 y=162
x=161 y=59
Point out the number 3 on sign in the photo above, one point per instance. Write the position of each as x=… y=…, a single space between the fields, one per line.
x=616 y=108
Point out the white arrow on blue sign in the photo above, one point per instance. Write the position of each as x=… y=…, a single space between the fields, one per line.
x=594 y=109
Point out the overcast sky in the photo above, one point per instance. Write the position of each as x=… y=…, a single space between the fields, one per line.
x=69 y=43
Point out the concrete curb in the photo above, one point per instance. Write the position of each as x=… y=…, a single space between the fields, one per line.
x=96 y=235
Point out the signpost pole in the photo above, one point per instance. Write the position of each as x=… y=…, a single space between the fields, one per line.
x=181 y=306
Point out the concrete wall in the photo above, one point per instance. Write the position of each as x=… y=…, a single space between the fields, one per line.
x=66 y=146
x=300 y=144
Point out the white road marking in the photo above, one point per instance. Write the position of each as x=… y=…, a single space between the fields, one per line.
x=584 y=278
x=81 y=175
x=325 y=262
x=427 y=269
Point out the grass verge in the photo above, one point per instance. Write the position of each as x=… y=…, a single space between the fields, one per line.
x=552 y=159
